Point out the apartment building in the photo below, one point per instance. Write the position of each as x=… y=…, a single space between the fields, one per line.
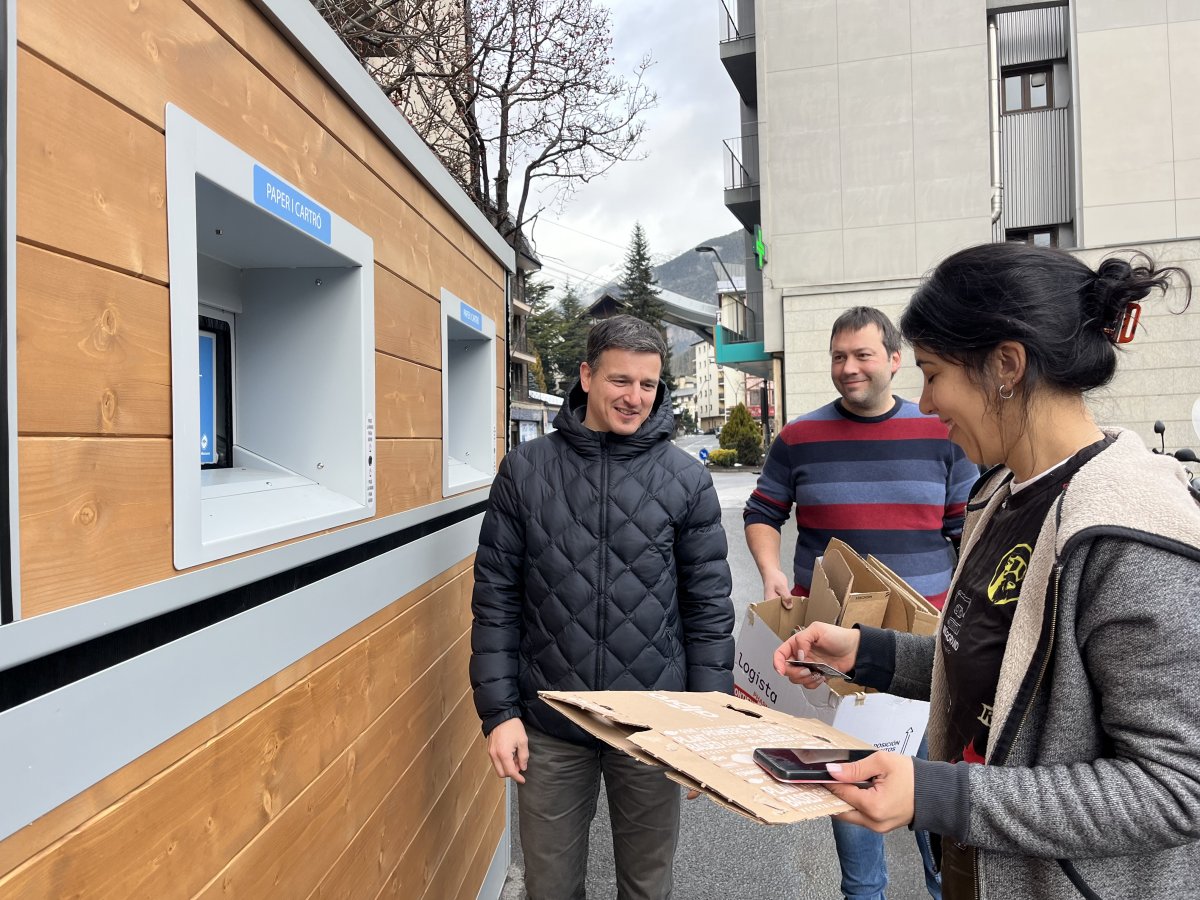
x=878 y=136
x=718 y=388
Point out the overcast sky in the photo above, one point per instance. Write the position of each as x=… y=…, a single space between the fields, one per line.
x=676 y=191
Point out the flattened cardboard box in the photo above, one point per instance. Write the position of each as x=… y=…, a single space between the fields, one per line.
x=706 y=741
x=846 y=589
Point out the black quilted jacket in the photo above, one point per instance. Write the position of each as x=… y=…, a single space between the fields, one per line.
x=601 y=566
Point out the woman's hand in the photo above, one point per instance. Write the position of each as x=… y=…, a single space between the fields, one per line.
x=888 y=802
x=821 y=642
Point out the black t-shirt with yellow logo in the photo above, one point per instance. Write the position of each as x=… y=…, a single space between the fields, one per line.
x=976 y=623
x=979 y=615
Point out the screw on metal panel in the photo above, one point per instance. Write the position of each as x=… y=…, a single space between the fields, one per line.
x=320 y=465
x=218 y=232
x=318 y=282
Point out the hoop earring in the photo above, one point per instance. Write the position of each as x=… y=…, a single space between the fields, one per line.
x=1009 y=395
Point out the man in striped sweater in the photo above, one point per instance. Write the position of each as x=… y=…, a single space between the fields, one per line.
x=870 y=469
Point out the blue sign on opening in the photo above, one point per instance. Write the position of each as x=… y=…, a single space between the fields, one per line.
x=208 y=398
x=292 y=206
x=470 y=316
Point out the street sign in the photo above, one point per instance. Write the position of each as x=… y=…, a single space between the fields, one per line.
x=704 y=454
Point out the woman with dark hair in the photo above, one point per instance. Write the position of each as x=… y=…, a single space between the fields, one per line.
x=1065 y=697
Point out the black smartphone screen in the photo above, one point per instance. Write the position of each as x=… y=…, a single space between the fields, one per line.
x=797 y=765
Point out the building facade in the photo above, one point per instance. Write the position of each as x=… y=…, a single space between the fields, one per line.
x=718 y=388
x=889 y=133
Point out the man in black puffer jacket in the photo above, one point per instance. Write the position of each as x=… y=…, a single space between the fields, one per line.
x=601 y=566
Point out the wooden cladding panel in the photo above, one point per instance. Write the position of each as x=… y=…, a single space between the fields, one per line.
x=92 y=349
x=488 y=828
x=143 y=55
x=408 y=399
x=407 y=320
x=40 y=834
x=358 y=722
x=453 y=870
x=91 y=179
x=395 y=849
x=409 y=474
x=95 y=518
x=294 y=853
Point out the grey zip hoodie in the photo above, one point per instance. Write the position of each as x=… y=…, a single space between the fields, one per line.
x=1094 y=752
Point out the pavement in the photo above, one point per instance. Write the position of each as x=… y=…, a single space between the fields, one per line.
x=721 y=855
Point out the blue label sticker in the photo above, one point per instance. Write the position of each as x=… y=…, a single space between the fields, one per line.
x=208 y=398
x=292 y=206
x=470 y=316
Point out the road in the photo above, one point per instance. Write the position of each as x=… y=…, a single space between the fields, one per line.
x=722 y=856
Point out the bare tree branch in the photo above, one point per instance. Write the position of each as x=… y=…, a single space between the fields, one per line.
x=514 y=96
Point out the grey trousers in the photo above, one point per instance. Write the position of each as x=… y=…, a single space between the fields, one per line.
x=556 y=805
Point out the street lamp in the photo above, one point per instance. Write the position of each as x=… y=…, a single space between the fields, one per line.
x=713 y=251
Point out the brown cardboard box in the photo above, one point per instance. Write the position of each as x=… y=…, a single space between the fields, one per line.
x=705 y=741
x=846 y=589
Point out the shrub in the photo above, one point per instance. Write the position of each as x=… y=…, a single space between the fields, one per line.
x=744 y=436
x=723 y=458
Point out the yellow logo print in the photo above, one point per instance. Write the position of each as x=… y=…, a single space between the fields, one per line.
x=1006 y=582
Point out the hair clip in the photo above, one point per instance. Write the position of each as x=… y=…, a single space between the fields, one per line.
x=1123 y=330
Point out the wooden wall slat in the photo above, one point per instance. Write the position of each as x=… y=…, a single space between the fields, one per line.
x=95 y=518
x=477 y=870
x=491 y=839
x=39 y=835
x=451 y=871
x=404 y=835
x=409 y=474
x=92 y=349
x=90 y=179
x=170 y=836
x=407 y=320
x=467 y=796
x=289 y=857
x=408 y=399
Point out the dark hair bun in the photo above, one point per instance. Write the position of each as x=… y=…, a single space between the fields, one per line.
x=1118 y=283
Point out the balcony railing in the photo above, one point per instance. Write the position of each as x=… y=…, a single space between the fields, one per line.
x=741 y=162
x=741 y=318
x=729 y=25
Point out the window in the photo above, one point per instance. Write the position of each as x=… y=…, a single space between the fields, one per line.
x=1028 y=90
x=1039 y=237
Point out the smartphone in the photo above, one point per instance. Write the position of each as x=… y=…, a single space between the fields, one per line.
x=795 y=765
x=819 y=667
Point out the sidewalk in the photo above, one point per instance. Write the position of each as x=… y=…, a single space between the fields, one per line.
x=722 y=856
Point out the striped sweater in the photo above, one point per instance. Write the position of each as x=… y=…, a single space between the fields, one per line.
x=893 y=486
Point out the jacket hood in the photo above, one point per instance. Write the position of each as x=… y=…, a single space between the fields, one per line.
x=659 y=426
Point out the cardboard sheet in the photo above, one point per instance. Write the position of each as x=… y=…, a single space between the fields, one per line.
x=706 y=741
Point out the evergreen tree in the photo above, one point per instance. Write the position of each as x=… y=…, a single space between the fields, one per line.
x=572 y=344
x=639 y=291
x=742 y=433
x=541 y=329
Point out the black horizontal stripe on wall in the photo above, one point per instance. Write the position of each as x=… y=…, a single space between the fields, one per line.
x=37 y=677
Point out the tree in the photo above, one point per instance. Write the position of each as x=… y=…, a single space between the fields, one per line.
x=517 y=97
x=741 y=433
x=640 y=295
x=572 y=345
x=687 y=422
x=557 y=334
